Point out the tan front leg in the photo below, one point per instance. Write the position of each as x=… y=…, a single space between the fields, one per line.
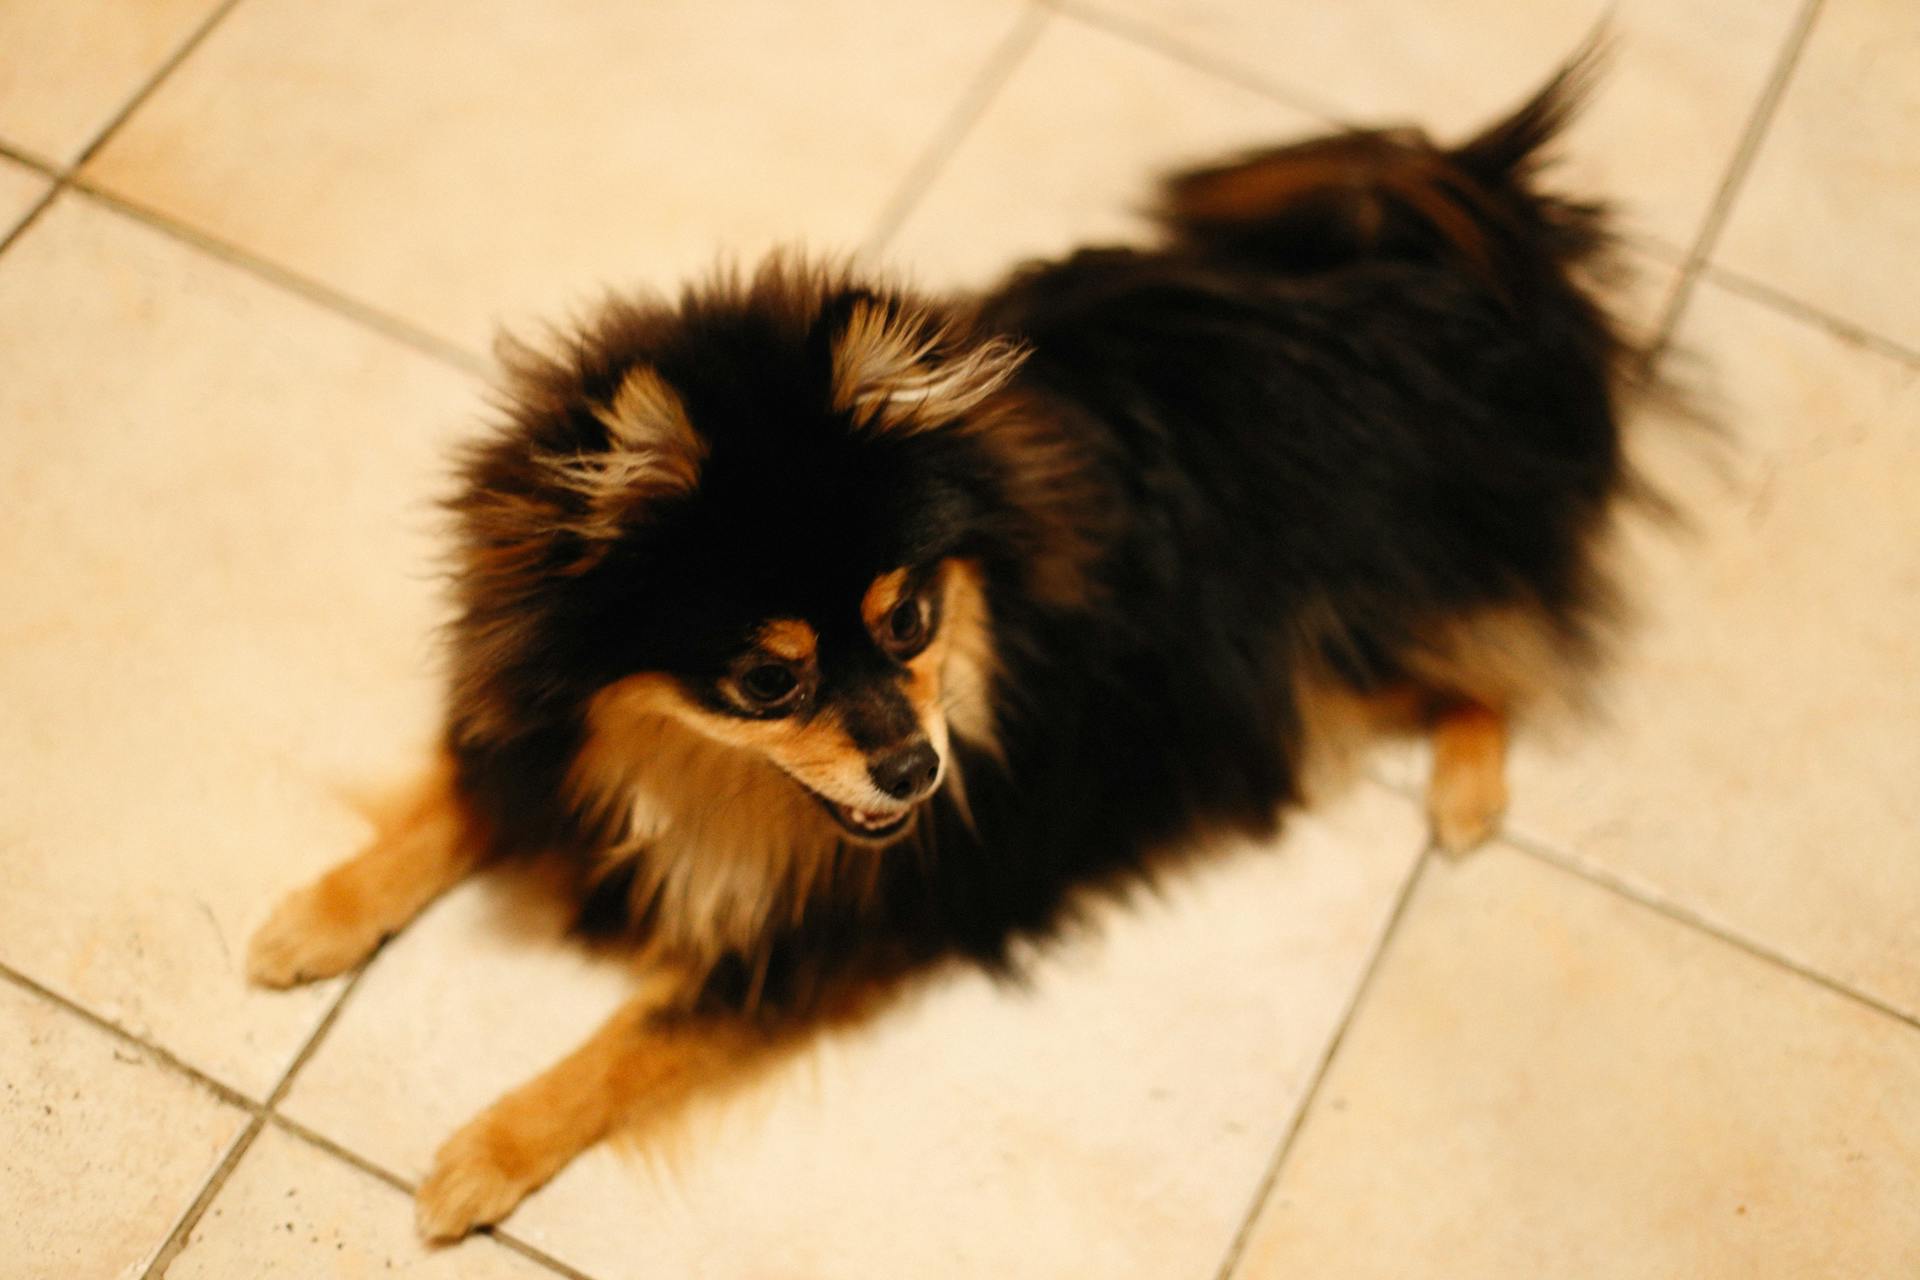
x=639 y=1067
x=1467 y=793
x=425 y=847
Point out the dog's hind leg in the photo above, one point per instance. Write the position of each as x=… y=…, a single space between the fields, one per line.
x=1467 y=792
x=424 y=847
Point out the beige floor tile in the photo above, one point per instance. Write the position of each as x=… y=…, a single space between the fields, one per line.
x=1068 y=153
x=68 y=66
x=20 y=189
x=101 y=1148
x=1547 y=1080
x=1659 y=134
x=1833 y=199
x=1112 y=1122
x=218 y=597
x=487 y=161
x=1760 y=758
x=290 y=1212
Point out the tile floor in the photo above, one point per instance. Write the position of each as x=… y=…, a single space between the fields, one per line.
x=250 y=255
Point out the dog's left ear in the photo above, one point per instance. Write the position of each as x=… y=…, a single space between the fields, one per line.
x=897 y=366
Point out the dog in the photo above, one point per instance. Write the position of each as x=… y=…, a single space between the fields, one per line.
x=831 y=634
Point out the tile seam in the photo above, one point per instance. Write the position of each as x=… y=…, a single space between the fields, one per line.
x=160 y=1055
x=177 y=1240
x=1270 y=1176
x=374 y=1169
x=1678 y=913
x=982 y=90
x=152 y=83
x=1552 y=854
x=1746 y=148
x=314 y=292
x=28 y=160
x=1201 y=60
x=1807 y=313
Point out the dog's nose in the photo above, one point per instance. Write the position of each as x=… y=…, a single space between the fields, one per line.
x=906 y=772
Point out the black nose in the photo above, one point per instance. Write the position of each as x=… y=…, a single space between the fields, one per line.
x=906 y=772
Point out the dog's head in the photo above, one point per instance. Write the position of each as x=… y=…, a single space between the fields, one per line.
x=767 y=518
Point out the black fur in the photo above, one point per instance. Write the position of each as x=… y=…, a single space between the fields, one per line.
x=1355 y=395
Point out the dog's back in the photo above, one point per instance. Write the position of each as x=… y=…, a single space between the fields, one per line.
x=1361 y=422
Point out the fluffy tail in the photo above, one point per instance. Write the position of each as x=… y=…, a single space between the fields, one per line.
x=1393 y=193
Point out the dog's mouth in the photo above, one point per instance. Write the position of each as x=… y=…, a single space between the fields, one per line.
x=872 y=826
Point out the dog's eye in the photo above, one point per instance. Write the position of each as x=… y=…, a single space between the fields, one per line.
x=769 y=684
x=906 y=625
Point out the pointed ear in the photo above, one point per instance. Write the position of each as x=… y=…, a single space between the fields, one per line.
x=652 y=453
x=556 y=505
x=899 y=367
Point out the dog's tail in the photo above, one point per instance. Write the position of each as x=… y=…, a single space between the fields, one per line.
x=1395 y=194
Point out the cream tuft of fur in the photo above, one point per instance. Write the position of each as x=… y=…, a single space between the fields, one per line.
x=653 y=452
x=890 y=369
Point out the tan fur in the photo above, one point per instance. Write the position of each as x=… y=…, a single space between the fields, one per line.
x=1511 y=658
x=631 y=1076
x=653 y=452
x=421 y=849
x=721 y=839
x=968 y=663
x=632 y=1070
x=1470 y=680
x=647 y=415
x=1337 y=725
x=890 y=370
x=881 y=597
x=1467 y=793
x=788 y=639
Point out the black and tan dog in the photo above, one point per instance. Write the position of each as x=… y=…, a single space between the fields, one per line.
x=832 y=632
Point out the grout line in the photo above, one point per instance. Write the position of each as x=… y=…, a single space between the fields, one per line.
x=224 y=1092
x=327 y=1146
x=177 y=1239
x=64 y=177
x=1544 y=850
x=1541 y=851
x=1202 y=60
x=979 y=94
x=1744 y=153
x=403 y=331
x=533 y=1253
x=32 y=216
x=1846 y=330
x=28 y=160
x=153 y=82
x=1264 y=1188
x=314 y=1037
x=314 y=1138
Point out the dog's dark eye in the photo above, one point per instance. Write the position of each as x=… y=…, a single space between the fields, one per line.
x=905 y=623
x=907 y=628
x=769 y=684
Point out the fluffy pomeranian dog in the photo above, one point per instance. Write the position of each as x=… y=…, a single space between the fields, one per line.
x=830 y=632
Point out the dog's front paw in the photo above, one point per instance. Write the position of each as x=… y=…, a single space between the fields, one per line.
x=477 y=1179
x=308 y=937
